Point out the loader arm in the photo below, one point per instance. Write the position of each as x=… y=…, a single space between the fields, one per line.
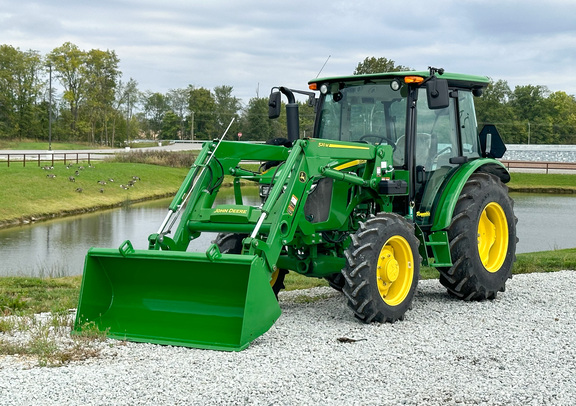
x=283 y=215
x=199 y=189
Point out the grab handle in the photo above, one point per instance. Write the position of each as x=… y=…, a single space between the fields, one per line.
x=126 y=248
x=213 y=253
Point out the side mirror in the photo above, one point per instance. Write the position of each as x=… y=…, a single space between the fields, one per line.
x=437 y=92
x=274 y=104
x=491 y=144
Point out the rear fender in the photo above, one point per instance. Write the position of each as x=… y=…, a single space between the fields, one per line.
x=446 y=204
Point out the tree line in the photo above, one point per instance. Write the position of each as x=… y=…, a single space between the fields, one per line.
x=529 y=114
x=98 y=107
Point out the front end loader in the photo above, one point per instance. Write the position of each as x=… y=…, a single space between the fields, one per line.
x=396 y=175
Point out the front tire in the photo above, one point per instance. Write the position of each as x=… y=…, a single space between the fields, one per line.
x=336 y=281
x=382 y=269
x=482 y=239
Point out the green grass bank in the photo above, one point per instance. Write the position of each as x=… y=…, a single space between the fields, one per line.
x=543 y=183
x=31 y=193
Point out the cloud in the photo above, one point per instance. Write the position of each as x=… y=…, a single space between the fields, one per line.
x=257 y=44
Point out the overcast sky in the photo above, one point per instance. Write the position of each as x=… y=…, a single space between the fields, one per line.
x=257 y=44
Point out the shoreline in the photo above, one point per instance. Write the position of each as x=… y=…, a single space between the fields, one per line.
x=29 y=219
x=542 y=190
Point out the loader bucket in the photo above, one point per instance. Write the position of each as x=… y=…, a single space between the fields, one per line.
x=177 y=298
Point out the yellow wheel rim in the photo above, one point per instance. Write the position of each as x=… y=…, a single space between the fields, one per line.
x=395 y=270
x=274 y=277
x=492 y=237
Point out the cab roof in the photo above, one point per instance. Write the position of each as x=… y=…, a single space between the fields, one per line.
x=454 y=79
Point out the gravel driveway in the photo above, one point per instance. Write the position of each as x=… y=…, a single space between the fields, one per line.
x=519 y=349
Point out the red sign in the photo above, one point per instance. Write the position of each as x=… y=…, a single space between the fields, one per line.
x=239 y=135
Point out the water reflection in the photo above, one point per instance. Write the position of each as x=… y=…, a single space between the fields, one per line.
x=58 y=247
x=545 y=222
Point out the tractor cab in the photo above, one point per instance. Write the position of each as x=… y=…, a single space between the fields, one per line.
x=428 y=119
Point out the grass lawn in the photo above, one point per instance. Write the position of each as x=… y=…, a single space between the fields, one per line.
x=34 y=192
x=43 y=145
x=538 y=182
x=24 y=296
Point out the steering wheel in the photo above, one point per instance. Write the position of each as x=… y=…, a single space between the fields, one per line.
x=380 y=138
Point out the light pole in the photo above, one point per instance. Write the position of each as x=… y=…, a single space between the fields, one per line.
x=128 y=121
x=191 y=125
x=50 y=110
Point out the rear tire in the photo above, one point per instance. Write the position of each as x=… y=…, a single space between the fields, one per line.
x=230 y=243
x=382 y=269
x=482 y=240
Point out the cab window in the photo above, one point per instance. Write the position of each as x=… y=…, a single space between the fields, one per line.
x=372 y=113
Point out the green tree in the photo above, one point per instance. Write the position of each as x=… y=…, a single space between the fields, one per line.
x=531 y=112
x=227 y=107
x=20 y=90
x=255 y=124
x=494 y=99
x=127 y=97
x=378 y=65
x=171 y=126
x=101 y=77
x=563 y=115
x=29 y=89
x=69 y=65
x=8 y=55
x=155 y=107
x=494 y=108
x=202 y=108
x=255 y=120
x=177 y=100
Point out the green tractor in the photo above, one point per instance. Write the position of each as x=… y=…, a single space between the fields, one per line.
x=395 y=176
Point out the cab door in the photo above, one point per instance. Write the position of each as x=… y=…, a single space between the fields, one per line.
x=442 y=135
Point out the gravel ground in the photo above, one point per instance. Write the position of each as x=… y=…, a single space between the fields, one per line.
x=519 y=349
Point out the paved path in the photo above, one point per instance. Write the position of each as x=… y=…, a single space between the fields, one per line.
x=171 y=147
x=97 y=154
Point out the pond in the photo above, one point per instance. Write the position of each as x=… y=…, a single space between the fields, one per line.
x=58 y=247
x=545 y=222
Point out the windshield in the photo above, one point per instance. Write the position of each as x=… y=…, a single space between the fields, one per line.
x=372 y=113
